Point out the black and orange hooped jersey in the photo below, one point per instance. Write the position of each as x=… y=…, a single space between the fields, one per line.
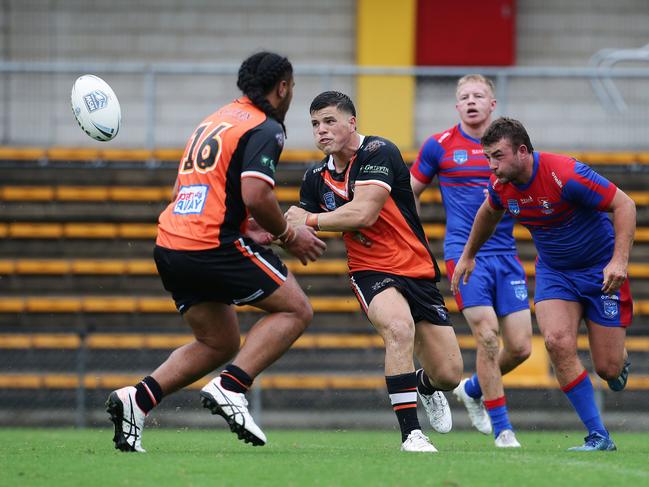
x=235 y=142
x=396 y=243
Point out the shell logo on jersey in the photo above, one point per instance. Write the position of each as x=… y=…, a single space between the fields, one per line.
x=460 y=156
x=513 y=207
x=191 y=199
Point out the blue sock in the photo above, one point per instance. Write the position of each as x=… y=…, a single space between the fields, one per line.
x=497 y=409
x=472 y=387
x=582 y=396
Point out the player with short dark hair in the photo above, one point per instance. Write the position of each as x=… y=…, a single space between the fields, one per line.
x=495 y=301
x=362 y=188
x=581 y=270
x=210 y=255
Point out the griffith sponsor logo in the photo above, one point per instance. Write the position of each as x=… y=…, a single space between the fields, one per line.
x=375 y=170
x=445 y=135
x=557 y=180
x=477 y=151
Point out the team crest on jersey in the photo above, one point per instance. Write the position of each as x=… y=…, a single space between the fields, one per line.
x=372 y=146
x=460 y=156
x=513 y=207
x=95 y=100
x=191 y=199
x=546 y=206
x=329 y=200
x=611 y=308
x=280 y=139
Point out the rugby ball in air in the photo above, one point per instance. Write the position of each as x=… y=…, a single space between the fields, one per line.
x=96 y=107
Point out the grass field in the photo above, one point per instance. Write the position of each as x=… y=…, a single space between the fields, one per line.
x=30 y=457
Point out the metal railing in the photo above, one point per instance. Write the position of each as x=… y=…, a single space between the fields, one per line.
x=14 y=98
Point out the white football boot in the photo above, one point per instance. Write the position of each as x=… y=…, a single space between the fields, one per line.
x=128 y=419
x=477 y=412
x=418 y=442
x=438 y=411
x=507 y=439
x=233 y=406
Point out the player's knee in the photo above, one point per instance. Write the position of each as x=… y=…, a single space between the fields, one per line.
x=487 y=341
x=304 y=312
x=520 y=352
x=222 y=347
x=450 y=376
x=609 y=370
x=559 y=344
x=301 y=309
x=398 y=332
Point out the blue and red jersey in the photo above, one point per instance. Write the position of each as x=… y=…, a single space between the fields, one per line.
x=563 y=206
x=463 y=171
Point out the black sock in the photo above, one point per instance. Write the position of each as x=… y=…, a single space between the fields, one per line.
x=235 y=379
x=148 y=394
x=424 y=386
x=403 y=396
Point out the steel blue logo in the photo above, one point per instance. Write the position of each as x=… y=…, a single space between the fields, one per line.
x=610 y=308
x=514 y=209
x=460 y=156
x=95 y=100
x=520 y=290
x=329 y=200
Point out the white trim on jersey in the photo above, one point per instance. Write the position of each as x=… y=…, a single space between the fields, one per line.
x=376 y=182
x=262 y=260
x=258 y=175
x=403 y=397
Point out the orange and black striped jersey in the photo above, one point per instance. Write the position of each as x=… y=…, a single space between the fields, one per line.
x=396 y=243
x=235 y=142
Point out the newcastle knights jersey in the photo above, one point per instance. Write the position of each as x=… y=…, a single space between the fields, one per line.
x=396 y=242
x=463 y=171
x=563 y=206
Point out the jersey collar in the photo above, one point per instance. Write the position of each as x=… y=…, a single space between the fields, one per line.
x=464 y=134
x=535 y=168
x=330 y=162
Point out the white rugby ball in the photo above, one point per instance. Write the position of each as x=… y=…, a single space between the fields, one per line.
x=96 y=107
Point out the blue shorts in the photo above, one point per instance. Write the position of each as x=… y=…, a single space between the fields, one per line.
x=498 y=281
x=585 y=286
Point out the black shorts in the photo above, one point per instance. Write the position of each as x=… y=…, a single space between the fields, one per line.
x=238 y=273
x=425 y=301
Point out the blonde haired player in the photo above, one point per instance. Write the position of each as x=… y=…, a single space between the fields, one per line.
x=495 y=300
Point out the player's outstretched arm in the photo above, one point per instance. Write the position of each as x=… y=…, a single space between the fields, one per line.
x=624 y=224
x=484 y=224
x=259 y=198
x=359 y=213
